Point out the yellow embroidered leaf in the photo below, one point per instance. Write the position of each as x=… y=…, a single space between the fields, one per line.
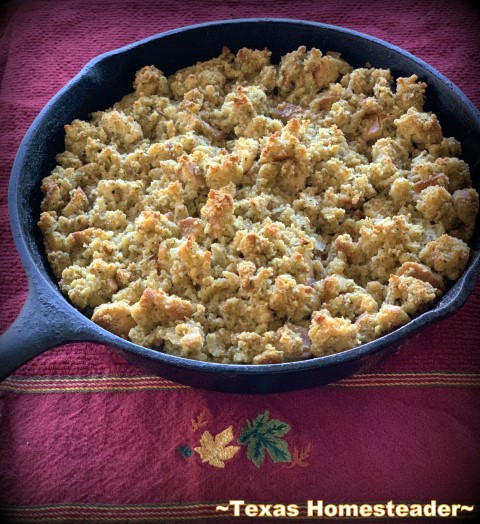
x=216 y=450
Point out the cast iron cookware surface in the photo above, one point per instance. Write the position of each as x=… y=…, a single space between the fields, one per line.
x=48 y=319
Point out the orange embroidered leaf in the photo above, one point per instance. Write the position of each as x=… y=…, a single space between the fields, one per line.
x=200 y=421
x=215 y=450
x=299 y=456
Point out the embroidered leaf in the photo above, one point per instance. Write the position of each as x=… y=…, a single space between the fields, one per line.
x=265 y=435
x=215 y=450
x=185 y=451
x=299 y=456
x=200 y=421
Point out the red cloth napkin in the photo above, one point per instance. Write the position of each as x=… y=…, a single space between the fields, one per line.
x=86 y=437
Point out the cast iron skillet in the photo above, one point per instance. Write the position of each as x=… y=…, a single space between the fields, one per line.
x=48 y=319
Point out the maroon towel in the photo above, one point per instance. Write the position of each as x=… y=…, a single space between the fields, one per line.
x=86 y=437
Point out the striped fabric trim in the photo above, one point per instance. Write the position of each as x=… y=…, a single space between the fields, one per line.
x=119 y=384
x=81 y=513
x=87 y=384
x=445 y=379
x=157 y=513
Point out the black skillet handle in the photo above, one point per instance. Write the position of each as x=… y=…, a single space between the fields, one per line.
x=40 y=325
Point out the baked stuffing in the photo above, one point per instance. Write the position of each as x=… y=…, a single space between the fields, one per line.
x=240 y=211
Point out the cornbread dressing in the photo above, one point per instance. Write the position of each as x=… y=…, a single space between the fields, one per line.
x=240 y=211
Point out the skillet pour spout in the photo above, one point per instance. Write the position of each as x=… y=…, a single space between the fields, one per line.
x=48 y=319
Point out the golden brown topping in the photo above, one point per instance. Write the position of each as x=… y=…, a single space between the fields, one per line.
x=421 y=128
x=329 y=334
x=241 y=211
x=390 y=317
x=52 y=195
x=446 y=255
x=277 y=150
x=150 y=81
x=156 y=307
x=465 y=203
x=246 y=270
x=220 y=175
x=78 y=202
x=269 y=356
x=190 y=172
x=115 y=317
x=409 y=293
x=218 y=212
x=197 y=261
